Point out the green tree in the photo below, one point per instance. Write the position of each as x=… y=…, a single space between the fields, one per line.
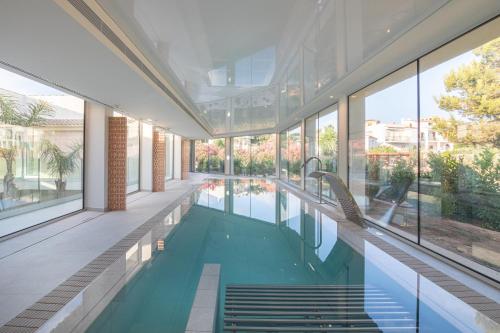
x=472 y=93
x=328 y=141
x=383 y=149
x=36 y=113
x=8 y=110
x=33 y=115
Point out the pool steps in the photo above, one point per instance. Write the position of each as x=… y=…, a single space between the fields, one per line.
x=204 y=309
x=313 y=308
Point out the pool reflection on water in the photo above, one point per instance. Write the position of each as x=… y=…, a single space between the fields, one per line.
x=260 y=233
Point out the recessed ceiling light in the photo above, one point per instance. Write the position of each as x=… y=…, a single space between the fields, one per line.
x=229 y=114
x=331 y=97
x=388 y=30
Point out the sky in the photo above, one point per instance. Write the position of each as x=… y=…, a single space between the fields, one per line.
x=24 y=86
x=396 y=100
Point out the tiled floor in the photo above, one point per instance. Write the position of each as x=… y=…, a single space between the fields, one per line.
x=34 y=263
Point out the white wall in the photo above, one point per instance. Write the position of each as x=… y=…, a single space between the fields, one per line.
x=96 y=156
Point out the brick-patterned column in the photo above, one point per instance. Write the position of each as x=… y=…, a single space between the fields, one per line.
x=117 y=163
x=186 y=158
x=158 y=161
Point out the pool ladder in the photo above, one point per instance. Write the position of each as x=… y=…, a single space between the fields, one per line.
x=313 y=308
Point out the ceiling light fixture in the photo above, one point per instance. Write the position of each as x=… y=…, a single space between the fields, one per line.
x=229 y=114
x=388 y=30
x=331 y=97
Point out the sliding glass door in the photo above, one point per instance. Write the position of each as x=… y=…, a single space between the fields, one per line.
x=321 y=142
x=424 y=150
x=254 y=155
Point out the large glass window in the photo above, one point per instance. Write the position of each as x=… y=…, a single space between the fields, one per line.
x=133 y=144
x=242 y=156
x=132 y=155
x=321 y=142
x=209 y=155
x=41 y=153
x=254 y=155
x=383 y=135
x=200 y=156
x=169 y=156
x=441 y=124
x=284 y=155
x=460 y=148
x=311 y=149
x=291 y=154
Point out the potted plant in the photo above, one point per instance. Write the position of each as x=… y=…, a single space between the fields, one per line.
x=60 y=163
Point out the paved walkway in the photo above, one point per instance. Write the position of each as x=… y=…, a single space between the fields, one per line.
x=34 y=263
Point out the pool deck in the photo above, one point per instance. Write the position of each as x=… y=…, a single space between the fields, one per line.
x=34 y=263
x=64 y=257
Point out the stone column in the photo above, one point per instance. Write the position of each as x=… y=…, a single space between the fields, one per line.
x=158 y=160
x=117 y=163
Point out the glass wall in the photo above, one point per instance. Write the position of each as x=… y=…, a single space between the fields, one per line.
x=133 y=152
x=41 y=153
x=169 y=156
x=208 y=155
x=284 y=155
x=424 y=147
x=242 y=155
x=294 y=155
x=383 y=134
x=291 y=155
x=321 y=142
x=460 y=148
x=199 y=149
x=254 y=155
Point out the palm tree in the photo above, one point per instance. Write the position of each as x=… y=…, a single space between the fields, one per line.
x=11 y=115
x=8 y=110
x=37 y=112
x=60 y=163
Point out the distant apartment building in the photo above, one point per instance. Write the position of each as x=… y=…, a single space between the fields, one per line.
x=402 y=136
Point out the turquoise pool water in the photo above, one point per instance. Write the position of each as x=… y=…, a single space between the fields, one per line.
x=260 y=233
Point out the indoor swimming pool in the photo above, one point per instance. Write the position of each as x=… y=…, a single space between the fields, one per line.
x=264 y=234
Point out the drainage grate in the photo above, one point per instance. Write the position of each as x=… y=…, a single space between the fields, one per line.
x=313 y=308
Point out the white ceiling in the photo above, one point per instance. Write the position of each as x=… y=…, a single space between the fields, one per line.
x=234 y=62
x=40 y=38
